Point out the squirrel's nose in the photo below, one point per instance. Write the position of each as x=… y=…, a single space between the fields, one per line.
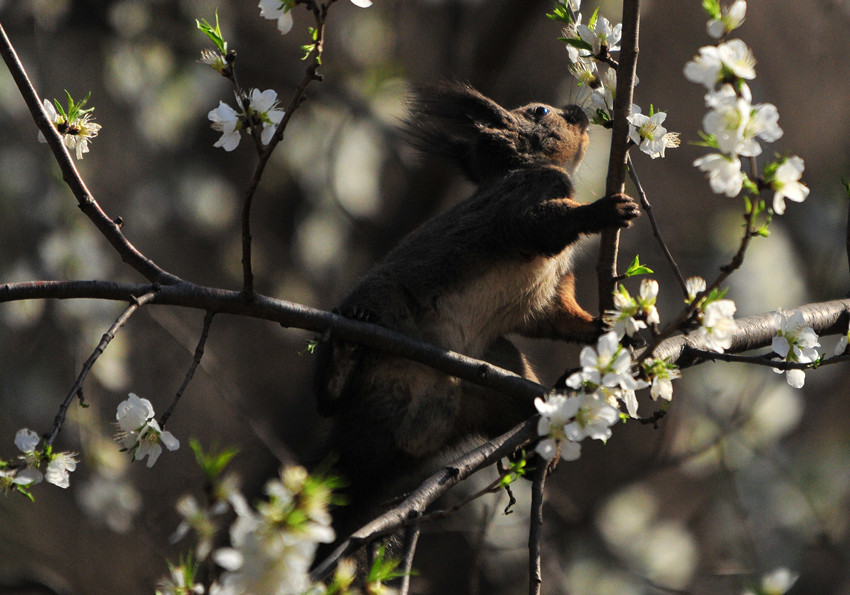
x=573 y=114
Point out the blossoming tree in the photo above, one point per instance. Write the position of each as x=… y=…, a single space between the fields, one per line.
x=628 y=382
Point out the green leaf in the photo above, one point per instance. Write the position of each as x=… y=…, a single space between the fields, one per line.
x=383 y=569
x=711 y=8
x=749 y=185
x=636 y=268
x=212 y=463
x=214 y=33
x=591 y=24
x=561 y=13
x=708 y=140
x=517 y=469
x=25 y=491
x=716 y=294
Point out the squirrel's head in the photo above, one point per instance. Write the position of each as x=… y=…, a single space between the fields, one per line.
x=456 y=122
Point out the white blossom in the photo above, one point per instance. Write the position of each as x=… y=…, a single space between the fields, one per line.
x=281 y=11
x=631 y=314
x=556 y=411
x=226 y=120
x=717 y=63
x=786 y=184
x=271 y=548
x=593 y=419
x=724 y=173
x=603 y=34
x=662 y=375
x=574 y=55
x=258 y=108
x=139 y=432
x=736 y=124
x=718 y=325
x=59 y=468
x=110 y=500
x=26 y=440
x=794 y=342
x=213 y=59
x=608 y=369
x=566 y=420
x=263 y=107
x=694 y=286
x=730 y=19
x=76 y=128
x=648 y=133
x=277 y=10
x=176 y=583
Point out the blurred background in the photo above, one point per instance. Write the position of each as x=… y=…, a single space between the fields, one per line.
x=744 y=475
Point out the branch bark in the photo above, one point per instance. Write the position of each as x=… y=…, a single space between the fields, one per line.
x=754 y=332
x=428 y=491
x=606 y=266
x=111 y=229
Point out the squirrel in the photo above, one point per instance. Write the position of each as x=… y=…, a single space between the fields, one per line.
x=497 y=263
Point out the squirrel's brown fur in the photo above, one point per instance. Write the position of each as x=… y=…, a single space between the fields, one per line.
x=497 y=263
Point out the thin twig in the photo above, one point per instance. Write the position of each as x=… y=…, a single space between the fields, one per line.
x=110 y=229
x=535 y=532
x=656 y=231
x=606 y=265
x=196 y=361
x=492 y=488
x=726 y=270
x=76 y=389
x=764 y=360
x=411 y=538
x=429 y=491
x=310 y=75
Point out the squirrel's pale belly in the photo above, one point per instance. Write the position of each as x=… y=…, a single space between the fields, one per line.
x=505 y=299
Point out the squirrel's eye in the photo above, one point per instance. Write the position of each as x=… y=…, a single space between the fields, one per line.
x=540 y=111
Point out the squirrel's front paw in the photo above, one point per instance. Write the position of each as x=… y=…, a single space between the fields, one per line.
x=620 y=209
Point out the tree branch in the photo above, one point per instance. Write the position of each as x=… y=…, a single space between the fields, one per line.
x=77 y=388
x=656 y=231
x=753 y=332
x=196 y=361
x=606 y=266
x=310 y=75
x=756 y=331
x=429 y=490
x=287 y=314
x=109 y=228
x=535 y=531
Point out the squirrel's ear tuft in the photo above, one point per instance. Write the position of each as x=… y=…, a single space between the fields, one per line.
x=449 y=118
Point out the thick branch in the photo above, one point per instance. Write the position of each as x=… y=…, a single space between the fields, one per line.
x=606 y=266
x=757 y=331
x=110 y=229
x=753 y=331
x=287 y=314
x=432 y=488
